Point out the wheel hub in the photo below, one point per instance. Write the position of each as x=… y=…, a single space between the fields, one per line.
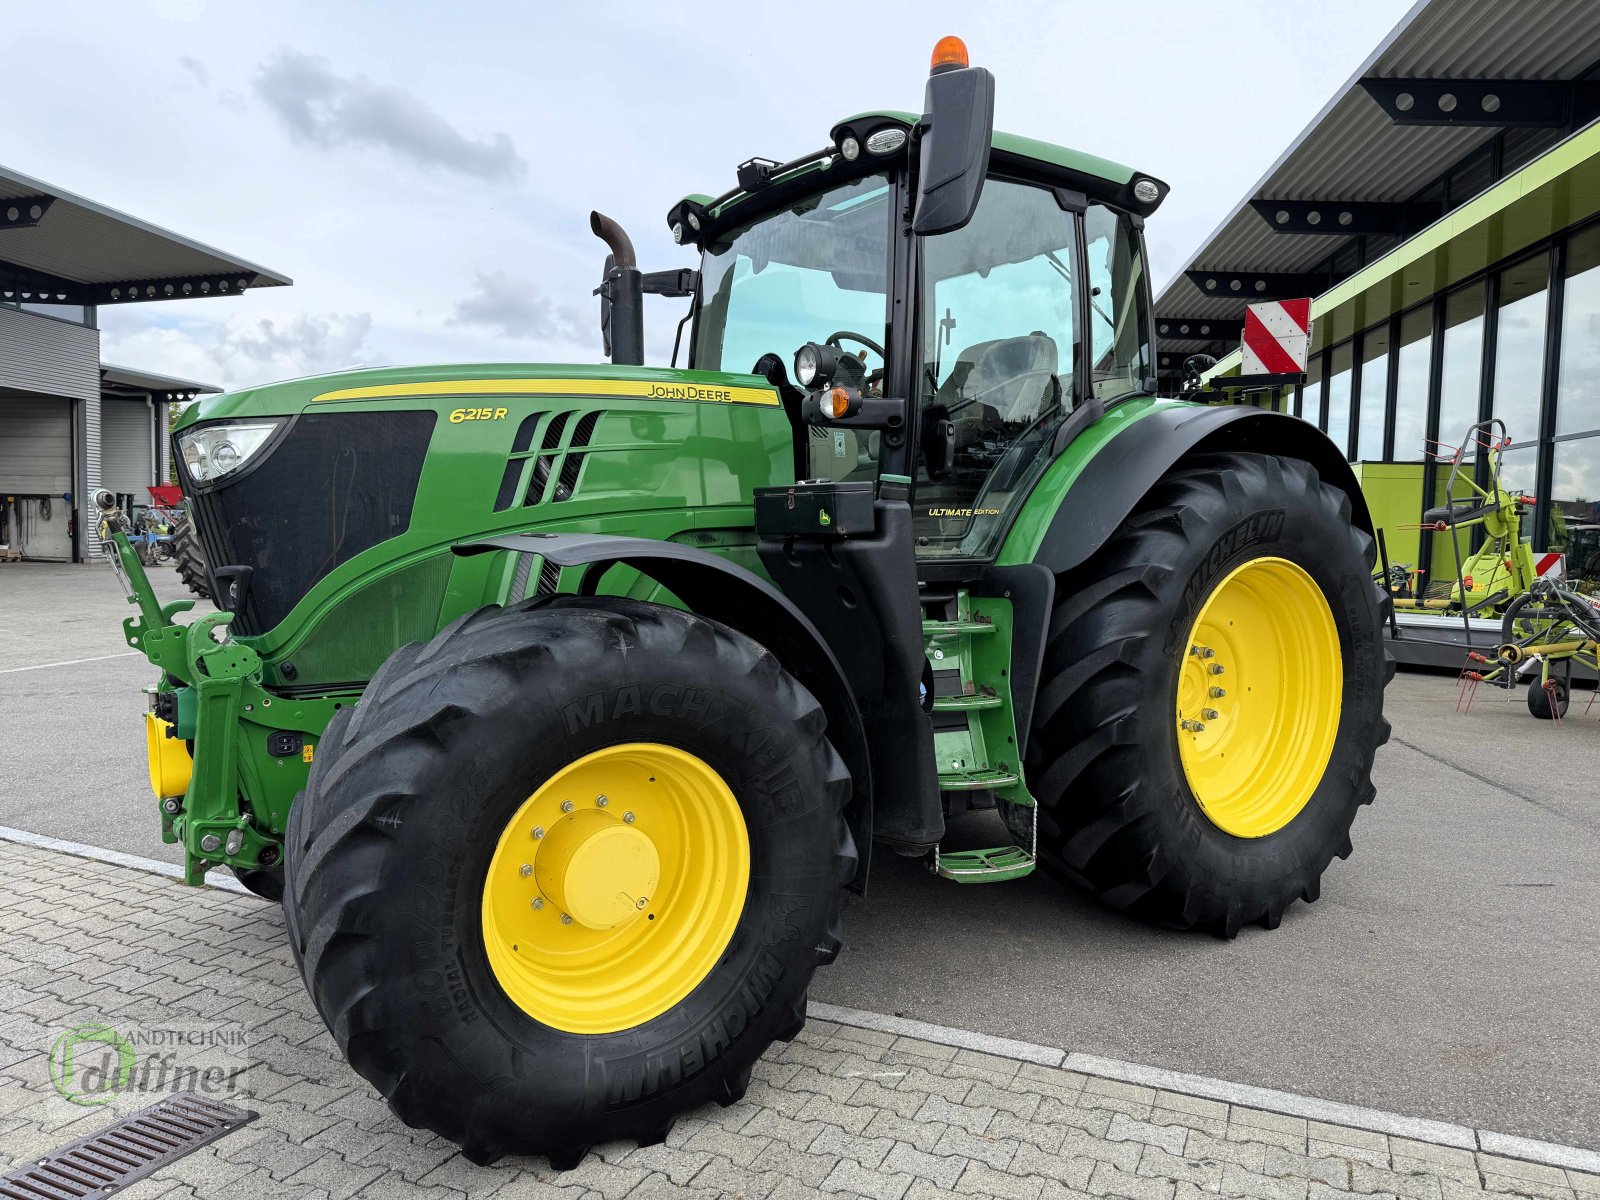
x=1259 y=695
x=597 y=869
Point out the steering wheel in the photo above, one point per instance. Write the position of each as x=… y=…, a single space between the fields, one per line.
x=833 y=340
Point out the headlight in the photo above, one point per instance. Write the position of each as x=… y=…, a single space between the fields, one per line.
x=212 y=451
x=806 y=363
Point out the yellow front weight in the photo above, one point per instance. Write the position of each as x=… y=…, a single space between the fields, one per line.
x=170 y=764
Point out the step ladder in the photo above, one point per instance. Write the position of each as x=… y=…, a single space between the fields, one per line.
x=964 y=753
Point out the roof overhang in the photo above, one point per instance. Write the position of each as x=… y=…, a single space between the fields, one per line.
x=1449 y=78
x=136 y=385
x=1549 y=194
x=60 y=248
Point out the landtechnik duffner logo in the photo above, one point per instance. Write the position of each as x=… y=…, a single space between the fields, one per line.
x=94 y=1064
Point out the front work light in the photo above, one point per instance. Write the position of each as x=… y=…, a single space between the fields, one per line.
x=213 y=451
x=814 y=365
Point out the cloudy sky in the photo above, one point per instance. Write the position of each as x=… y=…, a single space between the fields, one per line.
x=424 y=170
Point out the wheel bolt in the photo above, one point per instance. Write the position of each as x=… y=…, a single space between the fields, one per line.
x=641 y=902
x=627 y=818
x=1210 y=714
x=1217 y=693
x=566 y=919
x=602 y=801
x=1216 y=668
x=566 y=806
x=526 y=870
x=538 y=832
x=538 y=902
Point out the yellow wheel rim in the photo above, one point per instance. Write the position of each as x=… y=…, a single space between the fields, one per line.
x=1259 y=695
x=615 y=888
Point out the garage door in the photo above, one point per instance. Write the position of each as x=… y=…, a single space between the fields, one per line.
x=126 y=443
x=36 y=460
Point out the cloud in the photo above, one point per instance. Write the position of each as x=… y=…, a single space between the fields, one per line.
x=499 y=301
x=320 y=108
x=196 y=68
x=240 y=352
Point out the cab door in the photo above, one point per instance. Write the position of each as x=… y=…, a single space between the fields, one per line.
x=1001 y=344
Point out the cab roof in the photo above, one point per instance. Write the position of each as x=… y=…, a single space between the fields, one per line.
x=1099 y=178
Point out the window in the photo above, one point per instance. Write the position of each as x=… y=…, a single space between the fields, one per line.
x=798 y=276
x=1411 y=385
x=999 y=339
x=78 y=314
x=1462 y=368
x=1578 y=388
x=1309 y=403
x=1575 y=510
x=1519 y=348
x=1119 y=324
x=1336 y=419
x=1374 y=393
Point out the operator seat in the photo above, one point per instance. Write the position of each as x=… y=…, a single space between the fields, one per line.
x=999 y=384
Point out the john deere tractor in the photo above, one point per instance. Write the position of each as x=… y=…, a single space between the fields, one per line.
x=560 y=704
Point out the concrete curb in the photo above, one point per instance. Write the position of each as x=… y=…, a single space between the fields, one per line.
x=1332 y=1112
x=1442 y=1133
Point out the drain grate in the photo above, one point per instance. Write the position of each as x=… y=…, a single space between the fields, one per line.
x=125 y=1152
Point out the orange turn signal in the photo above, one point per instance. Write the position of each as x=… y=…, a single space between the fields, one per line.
x=949 y=53
x=837 y=403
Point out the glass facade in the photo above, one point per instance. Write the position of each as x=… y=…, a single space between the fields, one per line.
x=1376 y=394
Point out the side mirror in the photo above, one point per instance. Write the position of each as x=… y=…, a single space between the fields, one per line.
x=1194 y=367
x=605 y=303
x=958 y=128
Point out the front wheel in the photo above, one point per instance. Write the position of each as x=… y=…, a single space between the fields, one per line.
x=566 y=872
x=1212 y=696
x=1548 y=701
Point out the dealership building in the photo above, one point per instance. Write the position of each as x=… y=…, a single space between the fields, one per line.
x=69 y=423
x=1443 y=209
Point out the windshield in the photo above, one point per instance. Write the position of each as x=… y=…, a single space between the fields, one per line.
x=800 y=275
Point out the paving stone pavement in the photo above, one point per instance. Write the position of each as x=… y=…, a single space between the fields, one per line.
x=841 y=1110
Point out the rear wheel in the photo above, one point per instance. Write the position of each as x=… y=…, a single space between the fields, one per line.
x=1548 y=702
x=1212 y=697
x=189 y=559
x=565 y=872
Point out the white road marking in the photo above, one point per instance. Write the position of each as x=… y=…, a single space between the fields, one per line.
x=71 y=662
x=117 y=858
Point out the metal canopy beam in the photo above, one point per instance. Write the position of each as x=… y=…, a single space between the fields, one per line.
x=181 y=287
x=24 y=212
x=23 y=283
x=1489 y=103
x=1199 y=329
x=1348 y=217
x=1258 y=285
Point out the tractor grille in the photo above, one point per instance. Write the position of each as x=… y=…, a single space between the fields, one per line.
x=555 y=466
x=126 y=1151
x=350 y=643
x=334 y=485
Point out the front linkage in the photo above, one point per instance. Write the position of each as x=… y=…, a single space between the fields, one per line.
x=213 y=731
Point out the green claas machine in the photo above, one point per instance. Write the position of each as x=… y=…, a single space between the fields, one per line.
x=559 y=704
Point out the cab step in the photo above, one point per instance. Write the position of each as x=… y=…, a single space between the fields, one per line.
x=939 y=629
x=983 y=866
x=976 y=779
x=970 y=703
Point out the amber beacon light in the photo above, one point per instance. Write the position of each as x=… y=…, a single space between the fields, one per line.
x=949 y=54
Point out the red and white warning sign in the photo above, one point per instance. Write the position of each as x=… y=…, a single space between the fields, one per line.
x=1277 y=337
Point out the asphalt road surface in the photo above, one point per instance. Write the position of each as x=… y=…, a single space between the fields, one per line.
x=1450 y=970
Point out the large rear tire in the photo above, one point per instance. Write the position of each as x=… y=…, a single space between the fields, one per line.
x=189 y=559
x=550 y=761
x=1233 y=612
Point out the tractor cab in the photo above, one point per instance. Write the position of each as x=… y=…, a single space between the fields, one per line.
x=918 y=334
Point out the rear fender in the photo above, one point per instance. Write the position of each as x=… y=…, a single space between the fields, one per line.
x=711 y=586
x=1123 y=471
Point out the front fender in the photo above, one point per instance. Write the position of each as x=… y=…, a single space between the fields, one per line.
x=1089 y=503
x=711 y=586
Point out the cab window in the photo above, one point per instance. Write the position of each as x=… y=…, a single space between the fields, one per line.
x=1000 y=343
x=1119 y=323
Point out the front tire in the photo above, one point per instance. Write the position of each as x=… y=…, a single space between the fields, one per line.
x=189 y=559
x=524 y=768
x=1539 y=699
x=1250 y=563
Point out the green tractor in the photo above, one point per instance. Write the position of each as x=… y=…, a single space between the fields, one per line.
x=560 y=704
